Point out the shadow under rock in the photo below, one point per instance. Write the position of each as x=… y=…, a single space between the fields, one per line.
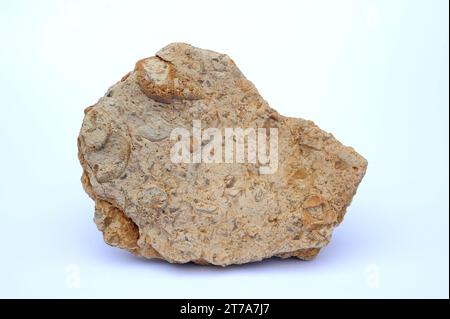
x=350 y=242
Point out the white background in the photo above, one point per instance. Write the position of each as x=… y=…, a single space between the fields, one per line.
x=374 y=73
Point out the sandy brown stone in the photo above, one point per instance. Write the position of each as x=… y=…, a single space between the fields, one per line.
x=220 y=214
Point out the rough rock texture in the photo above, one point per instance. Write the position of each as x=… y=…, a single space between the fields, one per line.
x=217 y=214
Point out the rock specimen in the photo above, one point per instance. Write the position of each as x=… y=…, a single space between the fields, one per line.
x=218 y=213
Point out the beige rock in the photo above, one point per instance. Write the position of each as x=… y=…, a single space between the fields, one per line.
x=221 y=213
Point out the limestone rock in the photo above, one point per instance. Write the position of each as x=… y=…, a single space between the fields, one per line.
x=208 y=213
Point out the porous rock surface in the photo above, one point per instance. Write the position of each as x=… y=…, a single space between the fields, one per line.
x=218 y=214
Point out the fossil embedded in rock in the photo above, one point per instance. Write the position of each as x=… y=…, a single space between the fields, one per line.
x=278 y=190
